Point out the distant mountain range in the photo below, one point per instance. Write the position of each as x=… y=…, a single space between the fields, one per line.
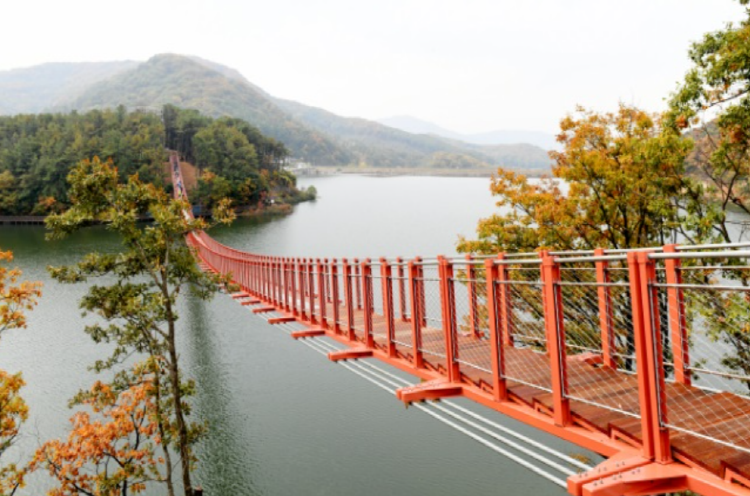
x=414 y=125
x=312 y=134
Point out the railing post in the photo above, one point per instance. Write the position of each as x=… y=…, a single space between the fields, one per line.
x=322 y=292
x=416 y=319
x=605 y=311
x=677 y=320
x=471 y=287
x=494 y=304
x=357 y=284
x=386 y=282
x=420 y=292
x=555 y=330
x=293 y=286
x=349 y=303
x=311 y=290
x=650 y=361
x=302 y=276
x=335 y=296
x=448 y=304
x=366 y=278
x=274 y=282
x=401 y=289
x=505 y=302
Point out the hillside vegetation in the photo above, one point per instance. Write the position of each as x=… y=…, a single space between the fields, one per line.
x=235 y=160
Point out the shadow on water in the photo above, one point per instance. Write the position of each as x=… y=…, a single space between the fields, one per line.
x=226 y=456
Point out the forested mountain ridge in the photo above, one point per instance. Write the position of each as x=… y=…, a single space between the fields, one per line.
x=311 y=134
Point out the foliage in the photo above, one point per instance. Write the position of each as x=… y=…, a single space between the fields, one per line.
x=38 y=151
x=714 y=99
x=15 y=297
x=113 y=449
x=153 y=268
x=621 y=175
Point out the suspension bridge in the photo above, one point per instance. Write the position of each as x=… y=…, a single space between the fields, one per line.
x=641 y=356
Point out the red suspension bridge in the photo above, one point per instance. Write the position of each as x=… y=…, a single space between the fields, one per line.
x=642 y=356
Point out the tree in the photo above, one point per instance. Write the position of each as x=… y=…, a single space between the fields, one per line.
x=153 y=268
x=111 y=450
x=15 y=298
x=622 y=175
x=713 y=105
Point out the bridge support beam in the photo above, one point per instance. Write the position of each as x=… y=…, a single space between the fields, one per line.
x=646 y=480
x=308 y=333
x=349 y=354
x=430 y=390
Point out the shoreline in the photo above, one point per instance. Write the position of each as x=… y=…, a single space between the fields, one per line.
x=319 y=171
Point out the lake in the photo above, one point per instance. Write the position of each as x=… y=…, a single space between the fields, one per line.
x=283 y=420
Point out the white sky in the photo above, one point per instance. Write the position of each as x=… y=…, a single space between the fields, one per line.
x=468 y=65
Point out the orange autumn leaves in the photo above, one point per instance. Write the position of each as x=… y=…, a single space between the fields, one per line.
x=111 y=449
x=15 y=296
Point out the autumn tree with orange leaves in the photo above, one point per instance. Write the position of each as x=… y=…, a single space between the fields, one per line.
x=116 y=446
x=615 y=185
x=15 y=298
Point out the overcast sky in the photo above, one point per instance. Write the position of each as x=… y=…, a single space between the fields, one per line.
x=468 y=65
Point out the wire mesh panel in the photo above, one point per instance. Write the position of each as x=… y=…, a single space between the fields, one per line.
x=374 y=286
x=473 y=350
x=401 y=291
x=525 y=339
x=431 y=328
x=703 y=321
x=597 y=318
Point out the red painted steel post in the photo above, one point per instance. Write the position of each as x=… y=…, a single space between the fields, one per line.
x=505 y=301
x=328 y=280
x=348 y=300
x=555 y=330
x=494 y=318
x=335 y=297
x=652 y=368
x=358 y=284
x=302 y=268
x=401 y=289
x=386 y=282
x=311 y=290
x=285 y=277
x=606 y=326
x=322 y=293
x=448 y=304
x=293 y=286
x=274 y=282
x=471 y=287
x=677 y=321
x=366 y=278
x=420 y=287
x=416 y=319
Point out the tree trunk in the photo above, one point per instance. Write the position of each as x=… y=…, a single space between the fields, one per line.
x=182 y=434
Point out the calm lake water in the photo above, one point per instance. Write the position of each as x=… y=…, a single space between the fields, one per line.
x=283 y=420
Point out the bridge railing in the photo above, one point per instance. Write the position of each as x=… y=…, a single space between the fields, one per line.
x=669 y=327
x=700 y=315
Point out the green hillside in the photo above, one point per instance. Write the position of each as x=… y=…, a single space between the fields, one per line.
x=181 y=81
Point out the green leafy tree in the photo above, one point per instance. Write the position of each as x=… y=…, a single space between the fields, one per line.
x=154 y=267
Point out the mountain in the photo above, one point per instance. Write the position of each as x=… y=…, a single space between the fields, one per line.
x=506 y=137
x=311 y=134
x=39 y=88
x=187 y=83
